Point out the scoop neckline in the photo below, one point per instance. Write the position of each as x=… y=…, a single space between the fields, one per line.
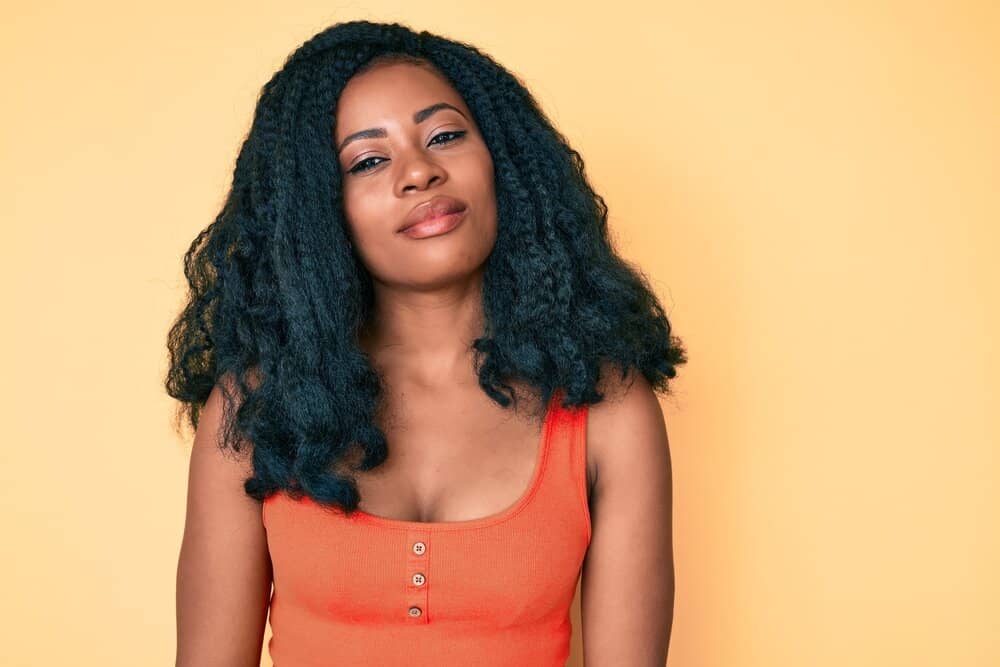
x=541 y=457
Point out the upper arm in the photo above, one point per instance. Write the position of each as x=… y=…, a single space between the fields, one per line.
x=224 y=569
x=627 y=586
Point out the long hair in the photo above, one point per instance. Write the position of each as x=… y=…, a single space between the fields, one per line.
x=277 y=296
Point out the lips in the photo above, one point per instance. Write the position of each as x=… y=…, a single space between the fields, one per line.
x=432 y=208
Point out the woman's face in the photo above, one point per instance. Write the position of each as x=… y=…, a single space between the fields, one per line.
x=414 y=152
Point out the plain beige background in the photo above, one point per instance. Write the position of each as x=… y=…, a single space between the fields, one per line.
x=812 y=188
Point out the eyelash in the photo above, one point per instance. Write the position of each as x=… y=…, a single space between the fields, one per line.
x=357 y=168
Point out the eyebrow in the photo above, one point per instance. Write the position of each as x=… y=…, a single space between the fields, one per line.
x=379 y=132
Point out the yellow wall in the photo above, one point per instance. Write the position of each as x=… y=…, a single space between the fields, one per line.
x=811 y=186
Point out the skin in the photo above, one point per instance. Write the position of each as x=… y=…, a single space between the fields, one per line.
x=445 y=463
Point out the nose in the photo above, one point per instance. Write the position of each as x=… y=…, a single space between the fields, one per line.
x=419 y=172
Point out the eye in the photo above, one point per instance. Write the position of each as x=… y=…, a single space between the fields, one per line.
x=455 y=134
x=358 y=167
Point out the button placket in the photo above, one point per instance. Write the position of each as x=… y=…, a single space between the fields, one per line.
x=418 y=554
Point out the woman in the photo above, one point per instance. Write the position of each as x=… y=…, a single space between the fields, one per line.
x=422 y=382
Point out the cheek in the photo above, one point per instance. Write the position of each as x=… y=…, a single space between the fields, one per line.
x=481 y=186
x=362 y=213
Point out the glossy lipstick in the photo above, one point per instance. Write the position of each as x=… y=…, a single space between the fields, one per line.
x=438 y=215
x=435 y=226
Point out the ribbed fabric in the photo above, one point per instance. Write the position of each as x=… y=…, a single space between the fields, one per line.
x=493 y=591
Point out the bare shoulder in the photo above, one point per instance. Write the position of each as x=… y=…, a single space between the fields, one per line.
x=627 y=425
x=627 y=587
x=224 y=569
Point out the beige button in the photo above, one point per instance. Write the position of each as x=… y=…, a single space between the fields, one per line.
x=414 y=611
x=418 y=579
x=419 y=548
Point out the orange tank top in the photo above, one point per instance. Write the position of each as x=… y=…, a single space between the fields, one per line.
x=493 y=591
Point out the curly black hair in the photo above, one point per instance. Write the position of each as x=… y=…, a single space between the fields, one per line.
x=277 y=297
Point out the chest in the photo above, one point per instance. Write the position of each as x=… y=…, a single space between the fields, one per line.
x=455 y=459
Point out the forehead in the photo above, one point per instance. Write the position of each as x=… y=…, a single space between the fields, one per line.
x=390 y=93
